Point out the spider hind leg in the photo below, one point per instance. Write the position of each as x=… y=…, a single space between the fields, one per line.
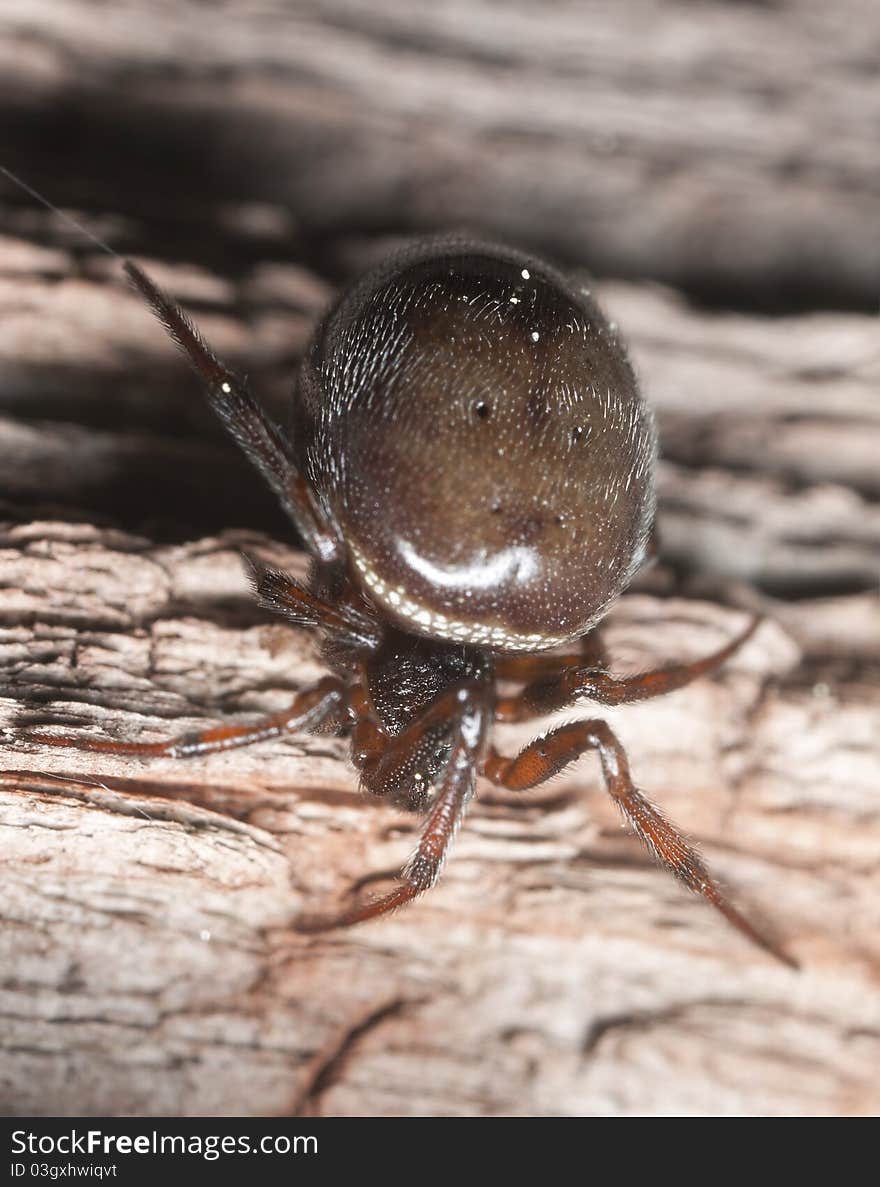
x=548 y=755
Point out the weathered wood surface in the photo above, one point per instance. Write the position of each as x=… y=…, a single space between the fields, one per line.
x=148 y=960
x=722 y=148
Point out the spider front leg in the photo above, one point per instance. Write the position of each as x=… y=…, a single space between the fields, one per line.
x=553 y=692
x=548 y=755
x=249 y=425
x=463 y=714
x=278 y=592
x=405 y=767
x=311 y=708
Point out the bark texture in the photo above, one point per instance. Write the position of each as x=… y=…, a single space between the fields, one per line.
x=720 y=147
x=148 y=961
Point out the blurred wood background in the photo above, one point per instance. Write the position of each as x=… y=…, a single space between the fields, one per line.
x=715 y=166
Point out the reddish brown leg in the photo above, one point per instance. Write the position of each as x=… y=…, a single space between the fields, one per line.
x=546 y=756
x=311 y=708
x=405 y=768
x=552 y=693
x=277 y=591
x=250 y=426
x=464 y=711
x=539 y=666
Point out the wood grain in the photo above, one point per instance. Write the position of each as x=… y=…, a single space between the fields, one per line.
x=555 y=970
x=722 y=148
x=149 y=963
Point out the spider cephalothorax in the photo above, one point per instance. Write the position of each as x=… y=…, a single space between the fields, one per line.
x=471 y=465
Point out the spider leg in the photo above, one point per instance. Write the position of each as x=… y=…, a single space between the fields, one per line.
x=279 y=592
x=550 y=693
x=248 y=424
x=546 y=756
x=540 y=665
x=464 y=711
x=311 y=708
x=404 y=767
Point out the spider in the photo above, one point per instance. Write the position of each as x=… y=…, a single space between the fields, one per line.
x=470 y=464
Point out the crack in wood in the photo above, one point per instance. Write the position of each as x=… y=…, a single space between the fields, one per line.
x=331 y=1064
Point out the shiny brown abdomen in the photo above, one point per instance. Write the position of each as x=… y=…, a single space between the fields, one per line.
x=473 y=425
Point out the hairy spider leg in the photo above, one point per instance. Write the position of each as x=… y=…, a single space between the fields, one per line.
x=311 y=708
x=278 y=592
x=468 y=706
x=540 y=664
x=399 y=767
x=546 y=756
x=551 y=693
x=248 y=424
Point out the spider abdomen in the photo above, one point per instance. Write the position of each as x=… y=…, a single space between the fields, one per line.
x=471 y=423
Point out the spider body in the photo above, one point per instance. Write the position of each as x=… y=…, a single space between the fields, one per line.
x=473 y=430
x=407 y=673
x=470 y=464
